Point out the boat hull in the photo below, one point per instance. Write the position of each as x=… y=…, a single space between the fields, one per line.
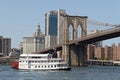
x=57 y=68
x=15 y=64
x=65 y=69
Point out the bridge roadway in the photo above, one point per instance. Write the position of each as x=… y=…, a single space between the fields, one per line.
x=91 y=38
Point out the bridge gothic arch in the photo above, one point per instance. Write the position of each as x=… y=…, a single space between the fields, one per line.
x=70 y=32
x=77 y=22
x=79 y=31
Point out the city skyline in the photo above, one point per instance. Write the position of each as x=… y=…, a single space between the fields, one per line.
x=19 y=18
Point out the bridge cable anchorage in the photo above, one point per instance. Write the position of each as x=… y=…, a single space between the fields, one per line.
x=94 y=22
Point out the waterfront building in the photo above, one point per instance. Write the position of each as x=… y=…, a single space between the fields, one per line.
x=54 y=27
x=34 y=43
x=5 y=46
x=103 y=53
x=90 y=52
x=99 y=52
x=118 y=51
x=108 y=53
x=15 y=53
x=115 y=55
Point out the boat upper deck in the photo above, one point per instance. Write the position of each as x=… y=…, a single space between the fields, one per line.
x=38 y=56
x=34 y=55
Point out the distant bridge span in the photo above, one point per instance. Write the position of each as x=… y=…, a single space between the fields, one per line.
x=103 y=35
x=91 y=38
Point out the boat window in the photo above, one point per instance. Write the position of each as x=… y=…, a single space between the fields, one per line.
x=28 y=66
x=58 y=65
x=34 y=57
x=39 y=57
x=35 y=66
x=51 y=65
x=51 y=61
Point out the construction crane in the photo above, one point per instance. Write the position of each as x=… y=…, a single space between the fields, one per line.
x=94 y=22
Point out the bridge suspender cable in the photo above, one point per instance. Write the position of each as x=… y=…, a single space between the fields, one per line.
x=94 y=22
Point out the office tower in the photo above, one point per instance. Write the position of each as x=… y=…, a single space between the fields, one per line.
x=5 y=46
x=54 y=27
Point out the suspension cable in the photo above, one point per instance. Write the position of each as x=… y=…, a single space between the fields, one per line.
x=94 y=22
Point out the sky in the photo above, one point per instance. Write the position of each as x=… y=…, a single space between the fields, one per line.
x=19 y=18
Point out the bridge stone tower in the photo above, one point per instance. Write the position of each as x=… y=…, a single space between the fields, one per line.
x=75 y=21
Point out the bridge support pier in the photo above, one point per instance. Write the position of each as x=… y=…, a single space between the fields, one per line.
x=78 y=55
x=82 y=54
x=65 y=53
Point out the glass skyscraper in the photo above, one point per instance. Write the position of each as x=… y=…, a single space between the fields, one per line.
x=53 y=27
x=51 y=23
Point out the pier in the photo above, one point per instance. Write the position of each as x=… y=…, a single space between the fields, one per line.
x=7 y=60
x=104 y=62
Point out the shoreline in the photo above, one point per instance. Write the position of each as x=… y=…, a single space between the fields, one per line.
x=7 y=60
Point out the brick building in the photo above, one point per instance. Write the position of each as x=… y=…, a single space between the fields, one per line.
x=90 y=52
x=103 y=53
x=5 y=46
x=99 y=52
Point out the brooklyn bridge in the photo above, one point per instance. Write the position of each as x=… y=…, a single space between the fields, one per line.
x=73 y=47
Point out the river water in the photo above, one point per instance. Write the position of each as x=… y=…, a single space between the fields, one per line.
x=77 y=73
